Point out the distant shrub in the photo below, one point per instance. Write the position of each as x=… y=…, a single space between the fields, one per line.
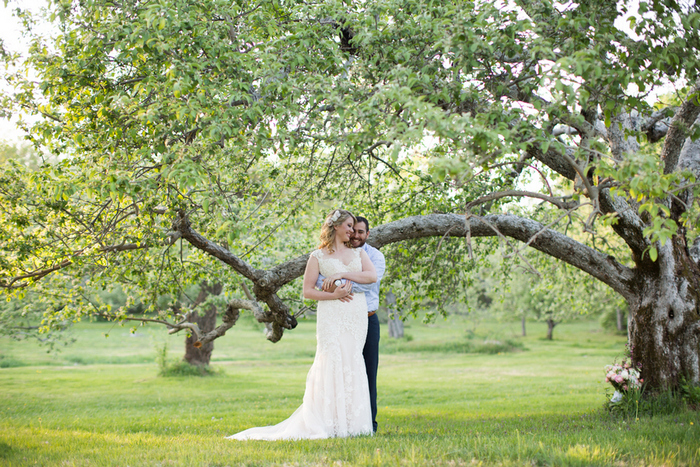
x=182 y=368
x=495 y=346
x=168 y=368
x=10 y=362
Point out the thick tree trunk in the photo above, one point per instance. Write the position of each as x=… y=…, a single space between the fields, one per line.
x=664 y=320
x=197 y=353
x=200 y=356
x=395 y=323
x=550 y=328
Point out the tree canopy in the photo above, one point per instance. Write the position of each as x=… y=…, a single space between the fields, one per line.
x=190 y=140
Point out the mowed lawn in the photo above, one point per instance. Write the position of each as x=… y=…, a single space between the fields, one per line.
x=100 y=401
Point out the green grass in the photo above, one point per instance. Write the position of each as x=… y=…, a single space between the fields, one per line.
x=101 y=402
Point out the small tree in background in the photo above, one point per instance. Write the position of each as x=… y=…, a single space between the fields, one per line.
x=553 y=296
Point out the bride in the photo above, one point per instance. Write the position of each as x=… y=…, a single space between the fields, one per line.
x=336 y=400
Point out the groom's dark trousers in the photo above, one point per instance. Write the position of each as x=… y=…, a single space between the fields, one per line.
x=371 y=355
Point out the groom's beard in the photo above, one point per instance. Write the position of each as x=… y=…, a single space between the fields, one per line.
x=357 y=243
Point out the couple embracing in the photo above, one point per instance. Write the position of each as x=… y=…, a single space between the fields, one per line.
x=340 y=399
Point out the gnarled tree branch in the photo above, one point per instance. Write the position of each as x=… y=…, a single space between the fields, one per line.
x=599 y=265
x=16 y=282
x=680 y=124
x=183 y=226
x=229 y=319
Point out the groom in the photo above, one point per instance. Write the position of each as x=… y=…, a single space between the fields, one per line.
x=371 y=350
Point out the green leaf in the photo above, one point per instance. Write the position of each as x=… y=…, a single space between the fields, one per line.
x=653 y=253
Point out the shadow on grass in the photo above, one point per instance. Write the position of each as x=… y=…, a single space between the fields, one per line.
x=6 y=451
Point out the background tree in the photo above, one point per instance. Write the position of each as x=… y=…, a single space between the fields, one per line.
x=554 y=295
x=217 y=124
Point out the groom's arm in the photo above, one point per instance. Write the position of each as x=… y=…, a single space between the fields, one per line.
x=379 y=263
x=321 y=278
x=356 y=288
x=360 y=288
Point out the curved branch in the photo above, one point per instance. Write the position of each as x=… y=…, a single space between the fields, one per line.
x=182 y=225
x=288 y=271
x=265 y=286
x=629 y=225
x=658 y=124
x=554 y=160
x=688 y=160
x=33 y=276
x=599 y=265
x=229 y=319
x=680 y=124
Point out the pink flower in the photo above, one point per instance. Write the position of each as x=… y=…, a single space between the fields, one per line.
x=625 y=387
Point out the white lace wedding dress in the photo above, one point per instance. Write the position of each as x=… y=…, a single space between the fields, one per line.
x=336 y=400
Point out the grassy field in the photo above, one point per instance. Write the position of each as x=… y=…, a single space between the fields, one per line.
x=100 y=402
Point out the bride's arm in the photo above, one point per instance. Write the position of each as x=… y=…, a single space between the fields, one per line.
x=368 y=275
x=310 y=292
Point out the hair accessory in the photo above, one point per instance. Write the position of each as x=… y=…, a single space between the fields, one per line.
x=334 y=217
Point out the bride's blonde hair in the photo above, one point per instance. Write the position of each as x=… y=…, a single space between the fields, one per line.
x=334 y=218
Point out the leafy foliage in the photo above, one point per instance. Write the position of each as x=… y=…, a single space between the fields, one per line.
x=248 y=119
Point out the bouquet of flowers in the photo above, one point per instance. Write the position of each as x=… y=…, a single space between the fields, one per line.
x=622 y=377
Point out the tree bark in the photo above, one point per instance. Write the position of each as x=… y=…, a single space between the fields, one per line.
x=619 y=320
x=196 y=352
x=395 y=323
x=664 y=319
x=523 y=324
x=550 y=328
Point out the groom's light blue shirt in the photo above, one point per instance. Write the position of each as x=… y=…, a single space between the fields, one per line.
x=371 y=290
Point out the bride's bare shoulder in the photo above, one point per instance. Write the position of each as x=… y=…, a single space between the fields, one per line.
x=318 y=254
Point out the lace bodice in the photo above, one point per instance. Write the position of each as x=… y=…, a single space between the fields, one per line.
x=329 y=266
